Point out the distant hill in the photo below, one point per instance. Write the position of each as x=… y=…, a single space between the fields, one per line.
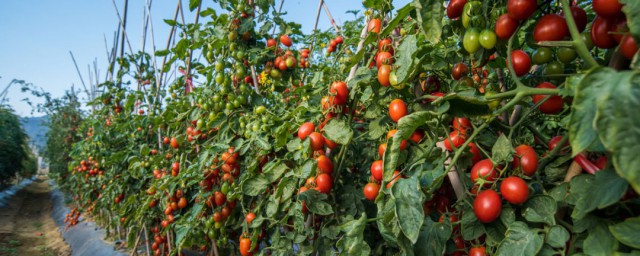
x=36 y=128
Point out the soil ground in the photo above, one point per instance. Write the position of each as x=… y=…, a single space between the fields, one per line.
x=26 y=226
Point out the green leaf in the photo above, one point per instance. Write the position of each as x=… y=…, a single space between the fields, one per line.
x=627 y=232
x=170 y=23
x=273 y=172
x=618 y=122
x=429 y=16
x=502 y=151
x=409 y=210
x=600 y=241
x=406 y=53
x=520 y=240
x=406 y=126
x=338 y=131
x=320 y=207
x=377 y=127
x=599 y=191
x=433 y=238
x=540 y=208
x=400 y=15
x=181 y=233
x=470 y=226
x=193 y=4
x=255 y=185
x=632 y=9
x=582 y=132
x=557 y=236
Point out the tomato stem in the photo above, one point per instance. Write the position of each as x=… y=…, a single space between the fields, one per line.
x=579 y=45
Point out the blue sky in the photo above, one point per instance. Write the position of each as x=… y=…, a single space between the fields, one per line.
x=36 y=36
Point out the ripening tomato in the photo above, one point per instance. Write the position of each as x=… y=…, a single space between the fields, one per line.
x=182 y=203
x=455 y=7
x=526 y=158
x=383 y=75
x=514 y=190
x=628 y=47
x=392 y=132
x=551 y=27
x=381 y=149
x=249 y=217
x=376 y=170
x=324 y=183
x=397 y=109
x=553 y=105
x=477 y=251
x=385 y=45
x=483 y=169
x=600 y=33
x=285 y=40
x=475 y=152
x=521 y=62
x=317 y=140
x=371 y=191
x=607 y=8
x=506 y=26
x=521 y=9
x=340 y=91
x=455 y=140
x=459 y=69
x=306 y=129
x=417 y=136
x=324 y=164
x=374 y=26
x=487 y=206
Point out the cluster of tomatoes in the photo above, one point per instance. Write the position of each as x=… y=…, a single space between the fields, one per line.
x=159 y=241
x=334 y=43
x=609 y=28
x=90 y=167
x=72 y=217
x=175 y=202
x=287 y=60
x=477 y=34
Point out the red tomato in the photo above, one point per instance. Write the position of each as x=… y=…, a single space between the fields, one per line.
x=339 y=40
x=462 y=124
x=285 y=40
x=397 y=176
x=330 y=144
x=483 y=169
x=455 y=139
x=317 y=140
x=381 y=149
x=475 y=151
x=580 y=17
x=628 y=47
x=376 y=170
x=249 y=217
x=600 y=33
x=417 y=136
x=383 y=75
x=383 y=58
x=374 y=26
x=553 y=105
x=306 y=129
x=392 y=132
x=607 y=8
x=397 y=109
x=371 y=191
x=271 y=43
x=601 y=162
x=385 y=45
x=245 y=245
x=514 y=190
x=551 y=27
x=521 y=9
x=477 y=251
x=174 y=143
x=487 y=206
x=521 y=62
x=324 y=164
x=527 y=158
x=340 y=91
x=455 y=7
x=219 y=198
x=506 y=26
x=553 y=142
x=324 y=183
x=459 y=70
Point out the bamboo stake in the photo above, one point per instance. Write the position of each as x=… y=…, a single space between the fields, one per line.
x=333 y=22
x=363 y=36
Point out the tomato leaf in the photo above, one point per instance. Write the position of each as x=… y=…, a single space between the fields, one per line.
x=502 y=150
x=470 y=226
x=338 y=131
x=540 y=208
x=618 y=124
x=405 y=63
x=353 y=242
x=315 y=202
x=520 y=240
x=429 y=17
x=557 y=236
x=596 y=191
x=600 y=241
x=400 y=15
x=409 y=200
x=582 y=131
x=632 y=9
x=193 y=4
x=627 y=232
x=433 y=238
x=388 y=223
x=255 y=185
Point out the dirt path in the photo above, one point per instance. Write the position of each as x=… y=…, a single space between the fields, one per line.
x=26 y=226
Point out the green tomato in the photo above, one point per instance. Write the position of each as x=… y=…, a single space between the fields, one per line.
x=260 y=110
x=240 y=71
x=237 y=103
x=471 y=40
x=255 y=127
x=566 y=54
x=219 y=79
x=219 y=66
x=554 y=68
x=233 y=35
x=200 y=124
x=542 y=55
x=212 y=116
x=275 y=73
x=586 y=37
x=240 y=55
x=224 y=188
x=218 y=225
x=472 y=8
x=228 y=106
x=488 y=39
